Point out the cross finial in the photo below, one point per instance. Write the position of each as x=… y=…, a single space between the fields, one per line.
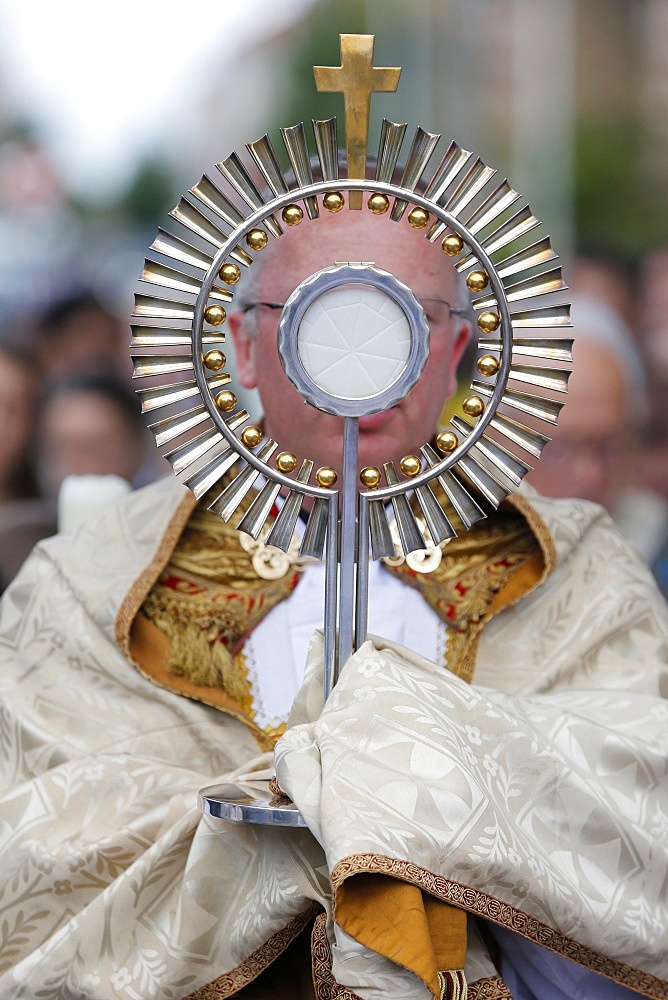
x=357 y=79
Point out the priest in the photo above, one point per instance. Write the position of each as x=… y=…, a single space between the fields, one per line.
x=485 y=789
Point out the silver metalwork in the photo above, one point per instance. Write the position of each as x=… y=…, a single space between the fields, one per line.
x=233 y=169
x=424 y=144
x=155 y=397
x=391 y=138
x=178 y=249
x=241 y=804
x=266 y=159
x=288 y=339
x=328 y=147
x=295 y=144
x=476 y=474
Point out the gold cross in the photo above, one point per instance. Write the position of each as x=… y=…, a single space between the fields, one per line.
x=357 y=79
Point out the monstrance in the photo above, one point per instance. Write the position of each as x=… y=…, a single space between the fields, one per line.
x=353 y=340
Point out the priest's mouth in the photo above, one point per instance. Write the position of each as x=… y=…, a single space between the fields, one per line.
x=373 y=421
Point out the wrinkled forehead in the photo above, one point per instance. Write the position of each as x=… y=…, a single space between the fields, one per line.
x=351 y=236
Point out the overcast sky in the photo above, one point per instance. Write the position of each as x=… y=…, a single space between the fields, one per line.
x=104 y=81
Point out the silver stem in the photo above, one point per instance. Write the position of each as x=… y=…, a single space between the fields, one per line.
x=348 y=541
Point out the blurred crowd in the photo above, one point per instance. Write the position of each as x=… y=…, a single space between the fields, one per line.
x=611 y=443
x=68 y=409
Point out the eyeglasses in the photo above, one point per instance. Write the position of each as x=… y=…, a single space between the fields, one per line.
x=430 y=306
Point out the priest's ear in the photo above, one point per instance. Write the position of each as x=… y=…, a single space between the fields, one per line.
x=243 y=327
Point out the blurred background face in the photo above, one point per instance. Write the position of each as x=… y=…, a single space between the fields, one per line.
x=584 y=458
x=84 y=432
x=397 y=248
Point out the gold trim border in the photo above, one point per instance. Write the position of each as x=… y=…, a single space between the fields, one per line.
x=231 y=982
x=483 y=905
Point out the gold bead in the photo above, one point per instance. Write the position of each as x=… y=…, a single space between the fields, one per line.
x=473 y=405
x=286 y=462
x=370 y=477
x=488 y=322
x=477 y=280
x=333 y=201
x=410 y=465
x=215 y=315
x=446 y=441
x=257 y=239
x=251 y=436
x=326 y=477
x=292 y=215
x=418 y=218
x=487 y=365
x=452 y=244
x=214 y=360
x=229 y=273
x=226 y=400
x=378 y=204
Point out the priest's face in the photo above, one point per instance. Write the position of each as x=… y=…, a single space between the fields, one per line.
x=298 y=253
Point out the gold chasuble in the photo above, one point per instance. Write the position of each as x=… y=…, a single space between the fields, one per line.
x=218 y=585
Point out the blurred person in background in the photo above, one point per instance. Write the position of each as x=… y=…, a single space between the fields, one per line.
x=80 y=334
x=24 y=516
x=91 y=425
x=594 y=448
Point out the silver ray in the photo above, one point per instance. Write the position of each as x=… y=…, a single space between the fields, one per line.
x=235 y=172
x=183 y=456
x=224 y=457
x=391 y=138
x=160 y=364
x=446 y=172
x=208 y=192
x=466 y=507
x=437 y=522
x=169 y=428
x=558 y=349
x=468 y=510
x=208 y=475
x=538 y=253
x=166 y=395
x=228 y=502
x=501 y=198
x=410 y=535
x=528 y=288
x=547 y=378
x=326 y=142
x=294 y=138
x=178 y=249
x=552 y=316
x=264 y=154
x=146 y=306
x=255 y=517
x=483 y=479
x=424 y=144
x=315 y=533
x=532 y=442
x=471 y=183
x=168 y=336
x=159 y=274
x=509 y=465
x=382 y=544
x=283 y=529
x=189 y=215
x=520 y=223
x=543 y=409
